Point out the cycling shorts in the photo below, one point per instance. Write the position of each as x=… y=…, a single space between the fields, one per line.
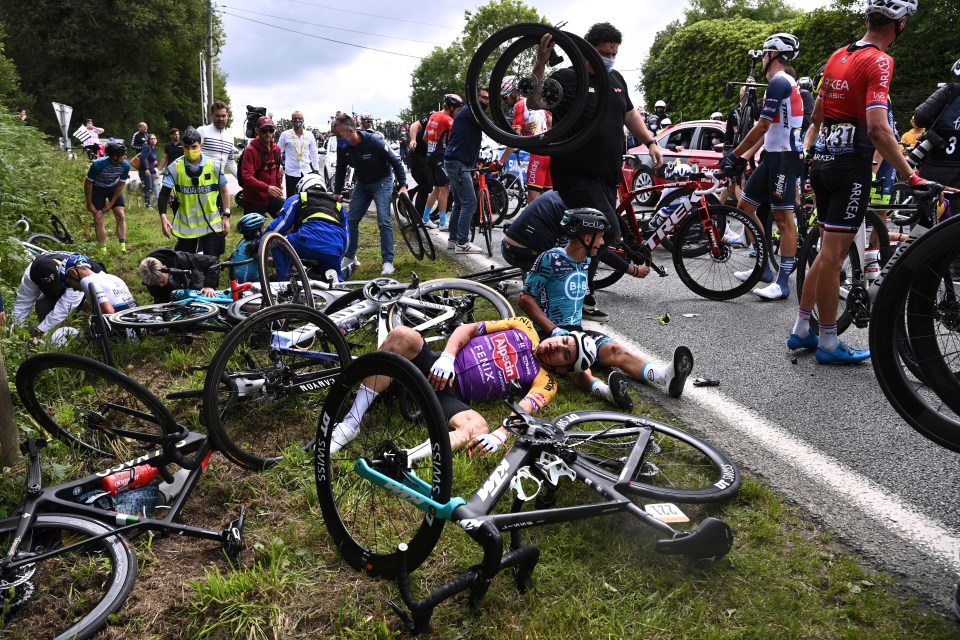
x=775 y=181
x=450 y=399
x=420 y=170
x=439 y=176
x=538 y=173
x=100 y=197
x=841 y=185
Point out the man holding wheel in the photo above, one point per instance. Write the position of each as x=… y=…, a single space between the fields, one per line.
x=588 y=176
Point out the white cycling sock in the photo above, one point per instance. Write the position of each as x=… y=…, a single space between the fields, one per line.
x=801 y=328
x=601 y=390
x=658 y=374
x=365 y=398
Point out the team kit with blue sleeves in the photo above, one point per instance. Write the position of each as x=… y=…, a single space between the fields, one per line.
x=319 y=235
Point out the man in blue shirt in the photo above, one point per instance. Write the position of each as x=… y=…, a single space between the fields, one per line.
x=371 y=159
x=103 y=189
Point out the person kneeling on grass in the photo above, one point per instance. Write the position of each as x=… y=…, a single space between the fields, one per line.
x=553 y=295
x=154 y=274
x=469 y=370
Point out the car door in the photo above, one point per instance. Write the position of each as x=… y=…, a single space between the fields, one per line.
x=702 y=151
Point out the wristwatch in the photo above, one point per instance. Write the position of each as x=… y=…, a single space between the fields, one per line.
x=226 y=213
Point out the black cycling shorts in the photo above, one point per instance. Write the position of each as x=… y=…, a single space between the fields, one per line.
x=841 y=186
x=775 y=181
x=439 y=176
x=450 y=399
x=420 y=171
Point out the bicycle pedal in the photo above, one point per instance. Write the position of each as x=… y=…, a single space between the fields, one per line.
x=233 y=538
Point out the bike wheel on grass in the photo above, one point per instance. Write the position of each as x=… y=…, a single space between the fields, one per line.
x=713 y=276
x=93 y=407
x=676 y=466
x=411 y=446
x=274 y=246
x=165 y=315
x=69 y=595
x=267 y=381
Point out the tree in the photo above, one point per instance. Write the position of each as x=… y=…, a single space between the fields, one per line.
x=140 y=64
x=758 y=10
x=444 y=70
x=9 y=78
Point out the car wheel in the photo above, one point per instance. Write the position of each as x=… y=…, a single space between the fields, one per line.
x=644 y=178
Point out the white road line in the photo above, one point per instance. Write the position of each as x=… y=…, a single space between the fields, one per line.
x=796 y=457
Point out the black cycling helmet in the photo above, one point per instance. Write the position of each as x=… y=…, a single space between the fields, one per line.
x=115 y=148
x=576 y=222
x=452 y=100
x=190 y=136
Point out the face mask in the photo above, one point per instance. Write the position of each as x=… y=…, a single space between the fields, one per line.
x=608 y=63
x=297 y=123
x=343 y=144
x=192 y=154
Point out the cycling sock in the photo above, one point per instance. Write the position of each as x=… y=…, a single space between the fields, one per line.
x=601 y=389
x=365 y=398
x=801 y=328
x=426 y=213
x=658 y=374
x=828 y=337
x=786 y=266
x=443 y=218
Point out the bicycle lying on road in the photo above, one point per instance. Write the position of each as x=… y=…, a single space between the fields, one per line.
x=386 y=495
x=67 y=563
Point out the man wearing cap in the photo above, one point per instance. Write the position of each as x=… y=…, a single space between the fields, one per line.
x=300 y=155
x=262 y=171
x=41 y=288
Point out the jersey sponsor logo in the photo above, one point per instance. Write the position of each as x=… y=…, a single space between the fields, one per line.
x=836 y=85
x=575 y=287
x=853 y=205
x=879 y=95
x=505 y=356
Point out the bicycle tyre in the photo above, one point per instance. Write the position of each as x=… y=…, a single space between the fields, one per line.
x=259 y=399
x=409 y=230
x=93 y=407
x=99 y=578
x=710 y=277
x=45 y=241
x=99 y=327
x=165 y=314
x=485 y=223
x=298 y=289
x=685 y=468
x=499 y=200
x=367 y=522
x=516 y=194
x=921 y=406
x=848 y=280
x=462 y=295
x=60 y=229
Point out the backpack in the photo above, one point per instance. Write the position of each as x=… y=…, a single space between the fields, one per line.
x=263 y=163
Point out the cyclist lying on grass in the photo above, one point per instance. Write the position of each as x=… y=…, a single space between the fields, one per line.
x=553 y=295
x=479 y=362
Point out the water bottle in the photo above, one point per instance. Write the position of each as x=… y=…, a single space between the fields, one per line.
x=129 y=479
x=871 y=269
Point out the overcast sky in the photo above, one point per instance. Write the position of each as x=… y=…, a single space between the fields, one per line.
x=304 y=59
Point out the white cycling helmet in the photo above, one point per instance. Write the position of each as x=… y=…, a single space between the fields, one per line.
x=659 y=103
x=956 y=68
x=716 y=115
x=586 y=351
x=310 y=181
x=508 y=86
x=893 y=9
x=785 y=44
x=666 y=122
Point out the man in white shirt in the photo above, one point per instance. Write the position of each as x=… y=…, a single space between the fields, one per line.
x=299 y=149
x=217 y=143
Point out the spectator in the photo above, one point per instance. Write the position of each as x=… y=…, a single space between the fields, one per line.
x=372 y=160
x=262 y=172
x=197 y=224
x=300 y=155
x=148 y=169
x=912 y=137
x=91 y=143
x=171 y=151
x=22 y=115
x=139 y=138
x=103 y=190
x=217 y=143
x=161 y=283
x=940 y=113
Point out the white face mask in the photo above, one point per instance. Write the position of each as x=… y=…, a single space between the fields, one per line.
x=608 y=63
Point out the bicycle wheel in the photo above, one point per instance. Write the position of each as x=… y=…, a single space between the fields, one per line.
x=916 y=287
x=93 y=407
x=467 y=300
x=45 y=241
x=499 y=200
x=713 y=277
x=275 y=247
x=249 y=305
x=408 y=226
x=99 y=327
x=361 y=330
x=516 y=194
x=267 y=381
x=672 y=200
x=485 y=223
x=366 y=521
x=69 y=595
x=167 y=314
x=60 y=229
x=853 y=285
x=676 y=466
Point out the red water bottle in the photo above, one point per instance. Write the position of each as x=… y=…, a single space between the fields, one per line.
x=129 y=479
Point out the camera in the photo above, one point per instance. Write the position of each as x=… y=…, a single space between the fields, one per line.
x=253 y=114
x=928 y=142
x=755 y=54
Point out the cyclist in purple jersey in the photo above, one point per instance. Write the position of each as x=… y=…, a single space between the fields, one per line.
x=479 y=363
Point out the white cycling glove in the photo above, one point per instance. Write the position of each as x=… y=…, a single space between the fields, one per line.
x=492 y=441
x=443 y=367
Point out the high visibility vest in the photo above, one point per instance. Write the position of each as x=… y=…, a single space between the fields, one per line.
x=198 y=214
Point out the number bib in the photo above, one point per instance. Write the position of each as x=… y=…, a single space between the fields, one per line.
x=837 y=138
